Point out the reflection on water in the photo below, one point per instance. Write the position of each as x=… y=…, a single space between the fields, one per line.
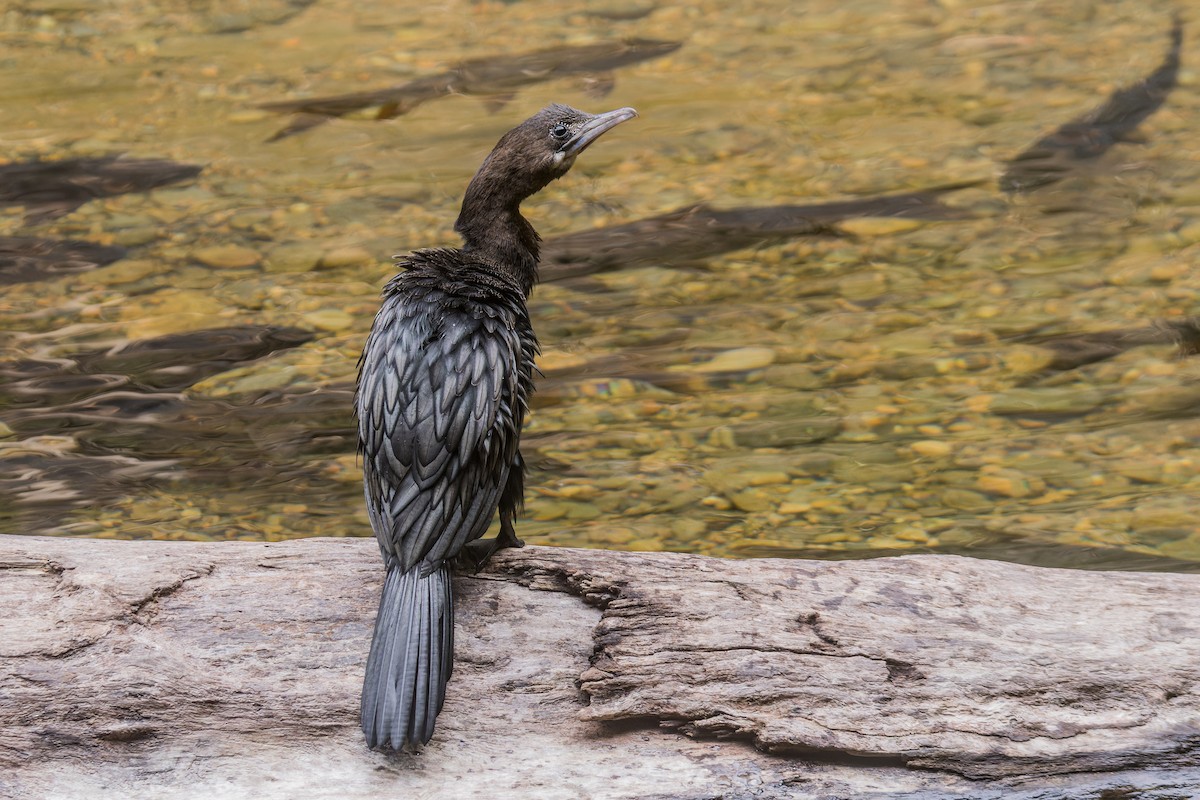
x=47 y=189
x=733 y=365
x=1091 y=135
x=494 y=78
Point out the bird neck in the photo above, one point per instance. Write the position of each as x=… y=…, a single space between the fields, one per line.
x=506 y=241
x=494 y=231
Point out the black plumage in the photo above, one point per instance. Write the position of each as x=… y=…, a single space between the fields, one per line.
x=444 y=384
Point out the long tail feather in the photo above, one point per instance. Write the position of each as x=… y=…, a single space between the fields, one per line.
x=411 y=658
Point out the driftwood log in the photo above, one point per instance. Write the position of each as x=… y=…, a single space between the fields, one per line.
x=153 y=669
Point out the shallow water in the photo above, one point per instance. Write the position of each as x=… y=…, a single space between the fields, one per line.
x=883 y=389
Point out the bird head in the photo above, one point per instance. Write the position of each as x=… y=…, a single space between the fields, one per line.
x=544 y=147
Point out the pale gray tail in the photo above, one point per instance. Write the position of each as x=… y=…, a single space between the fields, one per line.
x=411 y=658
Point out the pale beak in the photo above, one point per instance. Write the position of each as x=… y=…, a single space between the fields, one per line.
x=594 y=128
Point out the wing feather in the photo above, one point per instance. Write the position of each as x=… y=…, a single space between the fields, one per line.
x=439 y=384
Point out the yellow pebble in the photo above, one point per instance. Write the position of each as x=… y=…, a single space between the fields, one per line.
x=931 y=448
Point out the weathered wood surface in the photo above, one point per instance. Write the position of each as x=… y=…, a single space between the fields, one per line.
x=151 y=669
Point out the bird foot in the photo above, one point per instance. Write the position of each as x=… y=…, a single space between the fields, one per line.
x=475 y=555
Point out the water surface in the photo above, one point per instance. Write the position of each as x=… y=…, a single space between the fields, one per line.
x=881 y=390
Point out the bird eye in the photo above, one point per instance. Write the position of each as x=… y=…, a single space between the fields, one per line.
x=560 y=131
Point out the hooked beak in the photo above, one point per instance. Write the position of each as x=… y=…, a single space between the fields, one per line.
x=594 y=128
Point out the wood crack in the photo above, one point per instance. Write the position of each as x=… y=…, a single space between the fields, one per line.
x=145 y=603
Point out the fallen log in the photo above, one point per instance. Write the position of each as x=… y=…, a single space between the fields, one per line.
x=156 y=669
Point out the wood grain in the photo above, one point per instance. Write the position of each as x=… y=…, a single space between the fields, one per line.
x=153 y=669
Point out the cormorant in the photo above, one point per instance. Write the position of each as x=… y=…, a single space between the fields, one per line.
x=443 y=387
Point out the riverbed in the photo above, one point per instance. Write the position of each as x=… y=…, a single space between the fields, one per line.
x=882 y=387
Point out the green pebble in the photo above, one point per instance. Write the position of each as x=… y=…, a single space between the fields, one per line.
x=227 y=256
x=965 y=500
